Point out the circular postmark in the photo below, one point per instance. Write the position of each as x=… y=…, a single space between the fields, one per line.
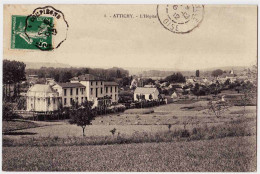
x=180 y=18
x=46 y=28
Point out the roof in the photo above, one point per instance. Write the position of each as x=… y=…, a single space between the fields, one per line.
x=71 y=85
x=145 y=90
x=87 y=77
x=110 y=84
x=149 y=86
x=41 y=88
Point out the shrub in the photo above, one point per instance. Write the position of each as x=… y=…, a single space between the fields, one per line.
x=8 y=113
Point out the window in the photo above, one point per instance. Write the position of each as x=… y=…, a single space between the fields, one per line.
x=86 y=98
x=101 y=90
x=82 y=99
x=65 y=101
x=115 y=96
x=106 y=89
x=53 y=100
x=77 y=91
x=96 y=92
x=91 y=91
x=71 y=91
x=65 y=92
x=115 y=88
x=71 y=101
x=111 y=89
x=101 y=83
x=82 y=90
x=96 y=83
x=77 y=99
x=91 y=83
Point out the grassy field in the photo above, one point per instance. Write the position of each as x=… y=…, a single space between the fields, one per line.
x=219 y=155
x=196 y=141
x=232 y=129
x=18 y=125
x=178 y=115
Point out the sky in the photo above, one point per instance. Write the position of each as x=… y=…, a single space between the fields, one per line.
x=227 y=36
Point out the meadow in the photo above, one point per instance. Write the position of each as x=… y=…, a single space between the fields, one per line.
x=175 y=137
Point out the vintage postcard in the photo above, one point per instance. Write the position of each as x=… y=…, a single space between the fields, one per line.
x=129 y=88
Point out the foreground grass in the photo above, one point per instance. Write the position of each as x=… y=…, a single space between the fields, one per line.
x=237 y=154
x=18 y=125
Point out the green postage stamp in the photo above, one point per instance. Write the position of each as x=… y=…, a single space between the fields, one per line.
x=44 y=29
x=32 y=34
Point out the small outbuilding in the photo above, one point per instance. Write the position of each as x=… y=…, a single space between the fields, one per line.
x=148 y=93
x=175 y=96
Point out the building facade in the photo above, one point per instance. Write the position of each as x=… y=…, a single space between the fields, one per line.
x=98 y=90
x=42 y=98
x=111 y=90
x=71 y=92
x=80 y=89
x=148 y=93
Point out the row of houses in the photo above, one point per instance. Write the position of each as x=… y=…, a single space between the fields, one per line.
x=46 y=97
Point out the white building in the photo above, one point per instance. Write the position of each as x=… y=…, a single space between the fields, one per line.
x=97 y=90
x=146 y=92
x=42 y=98
x=111 y=90
x=71 y=92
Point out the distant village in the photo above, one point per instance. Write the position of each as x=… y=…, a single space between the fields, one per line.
x=49 y=95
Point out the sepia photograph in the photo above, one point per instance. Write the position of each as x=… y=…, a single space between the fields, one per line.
x=129 y=87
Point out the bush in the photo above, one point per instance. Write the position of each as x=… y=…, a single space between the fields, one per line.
x=8 y=113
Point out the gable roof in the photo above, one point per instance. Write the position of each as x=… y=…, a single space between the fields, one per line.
x=41 y=88
x=110 y=84
x=145 y=90
x=71 y=85
x=87 y=77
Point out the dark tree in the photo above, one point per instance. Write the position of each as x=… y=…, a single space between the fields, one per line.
x=148 y=81
x=150 y=97
x=86 y=71
x=65 y=77
x=217 y=73
x=249 y=95
x=227 y=82
x=118 y=74
x=215 y=88
x=199 y=90
x=8 y=113
x=13 y=74
x=197 y=73
x=82 y=116
x=175 y=78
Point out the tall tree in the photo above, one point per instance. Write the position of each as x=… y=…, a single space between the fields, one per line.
x=197 y=73
x=13 y=74
x=83 y=115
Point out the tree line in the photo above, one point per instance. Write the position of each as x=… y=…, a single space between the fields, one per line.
x=13 y=75
x=65 y=74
